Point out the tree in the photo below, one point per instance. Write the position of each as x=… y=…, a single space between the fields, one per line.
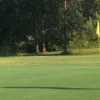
x=90 y=7
x=8 y=12
x=69 y=17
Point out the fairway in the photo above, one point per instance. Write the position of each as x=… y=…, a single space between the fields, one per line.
x=56 y=77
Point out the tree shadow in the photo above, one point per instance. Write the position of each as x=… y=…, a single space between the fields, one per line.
x=42 y=55
x=49 y=54
x=59 y=54
x=53 y=88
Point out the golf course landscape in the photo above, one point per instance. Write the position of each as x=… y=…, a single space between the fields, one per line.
x=49 y=49
x=50 y=76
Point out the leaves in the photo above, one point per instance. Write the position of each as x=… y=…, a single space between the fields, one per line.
x=47 y=19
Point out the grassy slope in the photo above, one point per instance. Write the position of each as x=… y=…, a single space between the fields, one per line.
x=56 y=77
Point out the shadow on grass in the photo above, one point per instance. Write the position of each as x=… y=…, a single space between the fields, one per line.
x=60 y=54
x=49 y=54
x=53 y=88
x=42 y=55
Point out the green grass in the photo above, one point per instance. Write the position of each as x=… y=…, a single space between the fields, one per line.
x=45 y=77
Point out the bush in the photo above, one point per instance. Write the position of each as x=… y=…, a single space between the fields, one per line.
x=83 y=44
x=7 y=51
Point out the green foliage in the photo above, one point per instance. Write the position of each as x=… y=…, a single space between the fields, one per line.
x=83 y=44
x=54 y=47
x=90 y=29
x=49 y=22
x=7 y=51
x=86 y=37
x=90 y=7
x=98 y=16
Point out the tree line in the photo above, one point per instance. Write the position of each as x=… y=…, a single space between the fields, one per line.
x=46 y=25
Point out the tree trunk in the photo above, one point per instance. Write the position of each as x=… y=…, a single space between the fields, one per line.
x=43 y=43
x=37 y=47
x=64 y=26
x=36 y=39
x=65 y=44
x=43 y=48
x=42 y=27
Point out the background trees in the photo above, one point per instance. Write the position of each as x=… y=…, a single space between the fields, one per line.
x=51 y=24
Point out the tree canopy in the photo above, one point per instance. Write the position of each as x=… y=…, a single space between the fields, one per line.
x=40 y=25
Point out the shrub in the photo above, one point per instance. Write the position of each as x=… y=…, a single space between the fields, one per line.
x=7 y=51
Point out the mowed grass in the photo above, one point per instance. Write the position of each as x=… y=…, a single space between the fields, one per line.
x=45 y=77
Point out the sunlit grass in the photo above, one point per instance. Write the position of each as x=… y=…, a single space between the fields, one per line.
x=50 y=76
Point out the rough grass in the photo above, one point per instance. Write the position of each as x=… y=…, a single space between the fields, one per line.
x=50 y=77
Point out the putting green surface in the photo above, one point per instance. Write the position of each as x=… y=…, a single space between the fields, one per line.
x=50 y=77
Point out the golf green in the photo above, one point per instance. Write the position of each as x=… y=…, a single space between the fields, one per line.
x=75 y=77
